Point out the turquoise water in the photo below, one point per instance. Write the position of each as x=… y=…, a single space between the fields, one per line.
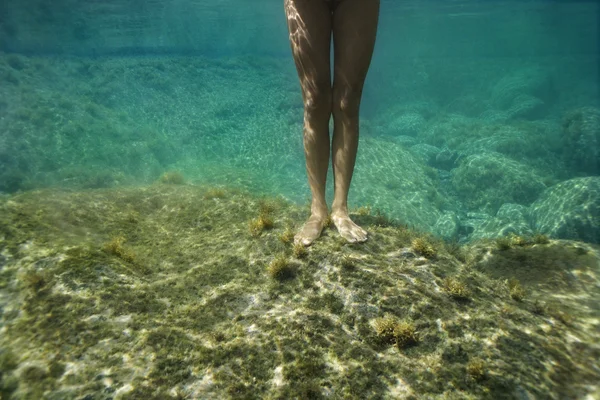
x=469 y=108
x=152 y=179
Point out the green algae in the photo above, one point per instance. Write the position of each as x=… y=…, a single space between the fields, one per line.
x=456 y=288
x=424 y=247
x=516 y=290
x=172 y=178
x=280 y=268
x=194 y=314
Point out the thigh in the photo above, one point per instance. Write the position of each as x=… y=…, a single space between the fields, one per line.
x=309 y=24
x=354 y=31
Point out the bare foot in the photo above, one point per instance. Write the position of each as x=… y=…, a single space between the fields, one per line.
x=348 y=229
x=311 y=230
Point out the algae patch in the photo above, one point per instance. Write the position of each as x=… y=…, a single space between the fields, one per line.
x=161 y=292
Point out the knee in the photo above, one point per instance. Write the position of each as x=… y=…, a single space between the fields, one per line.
x=346 y=101
x=317 y=100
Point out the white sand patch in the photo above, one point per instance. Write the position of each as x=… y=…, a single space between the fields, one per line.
x=123 y=390
x=278 y=376
x=400 y=390
x=200 y=388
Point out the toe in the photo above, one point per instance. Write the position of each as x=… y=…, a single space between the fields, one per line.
x=349 y=238
x=360 y=235
x=303 y=240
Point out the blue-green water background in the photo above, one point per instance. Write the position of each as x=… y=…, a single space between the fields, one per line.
x=471 y=110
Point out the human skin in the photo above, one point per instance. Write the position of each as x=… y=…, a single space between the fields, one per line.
x=311 y=24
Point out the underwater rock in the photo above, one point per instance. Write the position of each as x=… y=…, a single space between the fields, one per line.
x=526 y=107
x=405 y=141
x=447 y=225
x=494 y=116
x=450 y=130
x=435 y=157
x=569 y=210
x=445 y=159
x=486 y=181
x=523 y=93
x=409 y=124
x=197 y=314
x=513 y=212
x=469 y=104
x=397 y=183
x=510 y=219
x=425 y=152
x=517 y=143
x=581 y=139
x=471 y=223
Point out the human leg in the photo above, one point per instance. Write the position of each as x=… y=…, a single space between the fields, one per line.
x=309 y=24
x=354 y=32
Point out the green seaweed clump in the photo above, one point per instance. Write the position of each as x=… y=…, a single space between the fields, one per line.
x=519 y=241
x=476 y=369
x=258 y=225
x=215 y=193
x=382 y=220
x=516 y=290
x=456 y=289
x=172 y=178
x=503 y=243
x=280 y=268
x=115 y=247
x=405 y=334
x=264 y=220
x=299 y=250
x=347 y=263
x=424 y=247
x=266 y=207
x=540 y=239
x=363 y=211
x=34 y=280
x=400 y=333
x=287 y=236
x=511 y=241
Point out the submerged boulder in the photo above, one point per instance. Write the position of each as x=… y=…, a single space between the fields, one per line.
x=524 y=93
x=488 y=180
x=570 y=210
x=408 y=123
x=394 y=181
x=510 y=219
x=447 y=226
x=581 y=139
x=169 y=290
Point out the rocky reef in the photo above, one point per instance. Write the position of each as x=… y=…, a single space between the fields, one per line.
x=175 y=291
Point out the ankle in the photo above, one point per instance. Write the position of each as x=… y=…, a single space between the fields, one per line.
x=339 y=210
x=321 y=214
x=319 y=210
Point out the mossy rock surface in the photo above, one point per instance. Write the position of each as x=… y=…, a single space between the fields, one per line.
x=570 y=210
x=486 y=181
x=162 y=292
